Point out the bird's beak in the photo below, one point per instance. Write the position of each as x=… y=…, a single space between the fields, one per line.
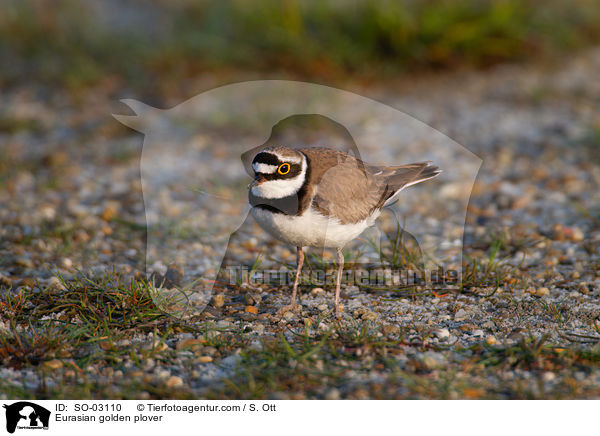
x=257 y=181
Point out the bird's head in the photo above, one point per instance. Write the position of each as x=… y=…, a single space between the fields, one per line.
x=279 y=172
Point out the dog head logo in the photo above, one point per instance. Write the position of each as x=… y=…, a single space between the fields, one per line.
x=195 y=187
x=27 y=415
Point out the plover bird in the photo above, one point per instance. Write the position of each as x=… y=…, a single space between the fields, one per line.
x=320 y=197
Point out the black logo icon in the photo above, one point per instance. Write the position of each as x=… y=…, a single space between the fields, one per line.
x=26 y=415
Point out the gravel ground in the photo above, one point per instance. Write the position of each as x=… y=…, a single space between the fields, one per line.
x=525 y=323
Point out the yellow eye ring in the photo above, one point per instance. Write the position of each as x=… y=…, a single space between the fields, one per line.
x=284 y=168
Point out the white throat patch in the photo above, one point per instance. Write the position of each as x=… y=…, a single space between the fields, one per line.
x=280 y=188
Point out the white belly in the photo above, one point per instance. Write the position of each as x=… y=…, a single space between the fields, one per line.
x=310 y=229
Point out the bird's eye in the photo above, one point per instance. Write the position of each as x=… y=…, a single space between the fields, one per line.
x=284 y=168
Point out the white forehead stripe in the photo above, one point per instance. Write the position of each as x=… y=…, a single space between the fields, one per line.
x=264 y=168
x=281 y=158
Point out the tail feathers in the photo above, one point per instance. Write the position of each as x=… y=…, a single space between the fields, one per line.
x=404 y=176
x=429 y=172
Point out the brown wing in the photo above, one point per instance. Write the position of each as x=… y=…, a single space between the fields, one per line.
x=351 y=190
x=347 y=188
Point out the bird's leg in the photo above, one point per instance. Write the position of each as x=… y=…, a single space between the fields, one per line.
x=338 y=281
x=299 y=261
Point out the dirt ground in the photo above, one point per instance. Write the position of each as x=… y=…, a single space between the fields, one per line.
x=78 y=319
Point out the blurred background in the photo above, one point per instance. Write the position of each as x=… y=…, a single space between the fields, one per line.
x=162 y=48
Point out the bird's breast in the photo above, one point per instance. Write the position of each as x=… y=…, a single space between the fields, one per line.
x=310 y=228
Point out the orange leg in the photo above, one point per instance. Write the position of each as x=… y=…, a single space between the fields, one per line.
x=338 y=281
x=299 y=263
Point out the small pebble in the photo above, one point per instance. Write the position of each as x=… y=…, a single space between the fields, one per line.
x=317 y=291
x=332 y=394
x=489 y=325
x=323 y=326
x=255 y=345
x=28 y=282
x=432 y=360
x=251 y=309
x=189 y=343
x=460 y=315
x=369 y=316
x=108 y=213
x=577 y=234
x=53 y=364
x=491 y=340
x=24 y=262
x=159 y=346
x=162 y=374
x=55 y=283
x=218 y=301
x=66 y=263
x=210 y=351
x=5 y=281
x=174 y=382
x=442 y=333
